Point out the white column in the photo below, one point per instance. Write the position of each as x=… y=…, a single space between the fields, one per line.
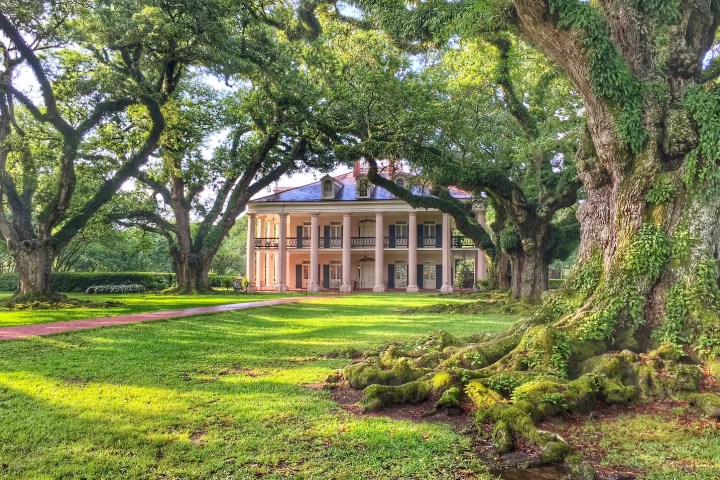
x=250 y=252
x=446 y=255
x=314 y=285
x=260 y=264
x=412 y=286
x=379 y=253
x=281 y=258
x=481 y=262
x=346 y=286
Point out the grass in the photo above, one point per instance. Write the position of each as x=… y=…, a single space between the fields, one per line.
x=131 y=303
x=665 y=447
x=220 y=396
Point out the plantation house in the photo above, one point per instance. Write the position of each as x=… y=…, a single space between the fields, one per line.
x=345 y=233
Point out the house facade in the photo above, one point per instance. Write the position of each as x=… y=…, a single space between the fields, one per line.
x=345 y=233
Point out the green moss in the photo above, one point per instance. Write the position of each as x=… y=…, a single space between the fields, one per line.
x=481 y=396
x=377 y=397
x=450 y=401
x=502 y=438
x=708 y=403
x=370 y=372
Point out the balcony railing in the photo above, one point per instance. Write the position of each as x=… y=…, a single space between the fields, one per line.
x=363 y=242
x=460 y=241
x=267 y=242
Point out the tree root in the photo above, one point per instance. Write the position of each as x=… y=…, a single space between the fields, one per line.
x=51 y=301
x=516 y=380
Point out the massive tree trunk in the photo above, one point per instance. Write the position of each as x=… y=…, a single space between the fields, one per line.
x=642 y=306
x=33 y=261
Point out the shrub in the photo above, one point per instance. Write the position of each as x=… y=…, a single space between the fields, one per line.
x=133 y=288
x=464 y=274
x=81 y=281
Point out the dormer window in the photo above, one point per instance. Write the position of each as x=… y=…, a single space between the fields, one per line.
x=327 y=189
x=400 y=182
x=363 y=188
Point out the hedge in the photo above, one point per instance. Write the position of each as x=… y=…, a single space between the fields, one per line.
x=81 y=281
x=554 y=283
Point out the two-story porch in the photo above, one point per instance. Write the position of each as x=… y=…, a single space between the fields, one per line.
x=379 y=251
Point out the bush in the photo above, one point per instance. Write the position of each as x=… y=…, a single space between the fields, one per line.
x=554 y=283
x=134 y=288
x=81 y=281
x=464 y=274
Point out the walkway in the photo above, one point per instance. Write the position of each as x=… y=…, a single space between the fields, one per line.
x=24 y=331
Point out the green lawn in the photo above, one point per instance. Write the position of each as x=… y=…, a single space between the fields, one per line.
x=664 y=446
x=131 y=303
x=219 y=396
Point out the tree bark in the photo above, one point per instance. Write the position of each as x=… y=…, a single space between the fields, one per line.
x=33 y=261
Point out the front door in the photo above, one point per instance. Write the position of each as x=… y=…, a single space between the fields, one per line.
x=335 y=275
x=305 y=275
x=401 y=275
x=367 y=275
x=429 y=274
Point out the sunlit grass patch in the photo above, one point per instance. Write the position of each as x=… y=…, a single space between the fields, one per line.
x=220 y=396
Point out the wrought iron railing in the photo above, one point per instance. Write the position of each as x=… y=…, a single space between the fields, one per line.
x=267 y=242
x=431 y=242
x=460 y=241
x=362 y=242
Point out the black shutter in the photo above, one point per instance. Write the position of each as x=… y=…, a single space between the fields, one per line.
x=420 y=276
x=392 y=236
x=299 y=236
x=326 y=236
x=326 y=276
x=438 y=276
x=391 y=276
x=420 y=236
x=438 y=236
x=298 y=276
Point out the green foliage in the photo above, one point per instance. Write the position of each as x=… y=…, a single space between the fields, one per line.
x=465 y=274
x=81 y=281
x=701 y=164
x=661 y=192
x=510 y=239
x=648 y=252
x=609 y=72
x=586 y=275
x=561 y=351
x=691 y=308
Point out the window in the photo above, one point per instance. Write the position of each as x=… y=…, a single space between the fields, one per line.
x=401 y=230
x=363 y=188
x=335 y=230
x=400 y=182
x=328 y=191
x=428 y=272
x=306 y=230
x=429 y=230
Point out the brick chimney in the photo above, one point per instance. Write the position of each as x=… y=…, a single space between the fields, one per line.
x=356 y=168
x=391 y=168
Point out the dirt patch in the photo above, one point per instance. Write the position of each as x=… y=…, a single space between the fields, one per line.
x=198 y=438
x=246 y=372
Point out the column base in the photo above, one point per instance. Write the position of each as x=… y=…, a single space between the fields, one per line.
x=345 y=288
x=378 y=288
x=412 y=289
x=446 y=289
x=281 y=288
x=313 y=288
